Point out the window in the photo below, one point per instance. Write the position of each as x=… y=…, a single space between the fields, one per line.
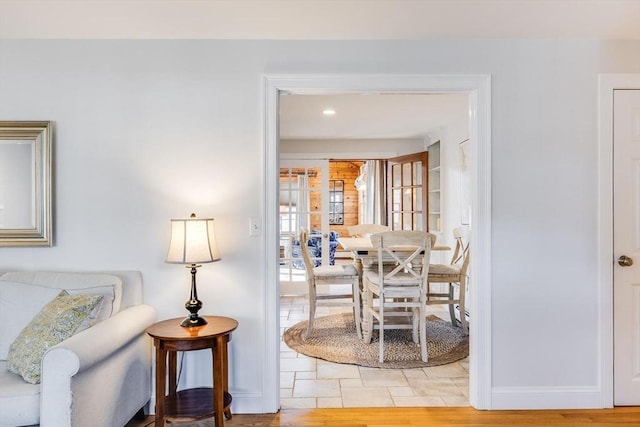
x=288 y=220
x=336 y=202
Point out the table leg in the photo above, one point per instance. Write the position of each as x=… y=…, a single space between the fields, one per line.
x=173 y=363
x=218 y=380
x=359 y=298
x=225 y=373
x=365 y=265
x=161 y=374
x=358 y=264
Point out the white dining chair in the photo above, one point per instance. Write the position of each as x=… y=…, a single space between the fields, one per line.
x=330 y=274
x=452 y=274
x=401 y=288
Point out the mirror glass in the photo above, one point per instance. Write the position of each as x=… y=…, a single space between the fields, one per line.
x=17 y=184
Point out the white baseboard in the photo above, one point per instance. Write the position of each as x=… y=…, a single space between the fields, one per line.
x=546 y=398
x=247 y=403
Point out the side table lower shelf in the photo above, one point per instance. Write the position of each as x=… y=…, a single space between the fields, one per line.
x=193 y=404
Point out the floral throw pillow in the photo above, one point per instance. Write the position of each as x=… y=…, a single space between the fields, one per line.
x=57 y=321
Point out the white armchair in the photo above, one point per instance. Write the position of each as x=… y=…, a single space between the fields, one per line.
x=99 y=376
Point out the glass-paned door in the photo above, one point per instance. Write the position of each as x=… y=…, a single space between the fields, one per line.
x=407 y=192
x=304 y=202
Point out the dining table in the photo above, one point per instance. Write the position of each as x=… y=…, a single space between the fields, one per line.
x=363 y=250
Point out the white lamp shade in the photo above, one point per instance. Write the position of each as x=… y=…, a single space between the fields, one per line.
x=193 y=241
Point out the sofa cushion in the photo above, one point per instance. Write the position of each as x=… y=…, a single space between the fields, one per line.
x=109 y=305
x=57 y=321
x=19 y=303
x=19 y=400
x=108 y=285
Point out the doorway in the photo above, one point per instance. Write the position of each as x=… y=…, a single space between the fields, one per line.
x=609 y=251
x=626 y=237
x=310 y=382
x=478 y=89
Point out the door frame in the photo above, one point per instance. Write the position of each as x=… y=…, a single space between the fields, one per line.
x=607 y=83
x=479 y=89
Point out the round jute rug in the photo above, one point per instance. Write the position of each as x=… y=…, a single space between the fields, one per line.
x=334 y=339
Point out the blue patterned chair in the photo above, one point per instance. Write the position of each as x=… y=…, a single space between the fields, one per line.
x=314 y=243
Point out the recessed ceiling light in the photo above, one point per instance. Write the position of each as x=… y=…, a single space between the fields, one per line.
x=329 y=112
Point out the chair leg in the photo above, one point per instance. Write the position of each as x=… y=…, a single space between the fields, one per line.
x=381 y=323
x=312 y=309
x=463 y=317
x=415 y=323
x=452 y=310
x=423 y=329
x=368 y=315
x=357 y=315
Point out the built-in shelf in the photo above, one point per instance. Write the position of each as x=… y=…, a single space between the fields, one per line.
x=434 y=187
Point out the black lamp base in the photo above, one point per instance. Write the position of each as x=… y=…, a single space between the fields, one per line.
x=191 y=322
x=193 y=305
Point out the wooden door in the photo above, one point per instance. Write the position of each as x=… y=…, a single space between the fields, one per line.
x=626 y=241
x=407 y=186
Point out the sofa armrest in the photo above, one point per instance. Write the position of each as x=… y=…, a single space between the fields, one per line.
x=95 y=364
x=98 y=342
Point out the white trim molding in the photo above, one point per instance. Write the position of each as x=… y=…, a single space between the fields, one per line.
x=246 y=403
x=607 y=83
x=479 y=89
x=545 y=397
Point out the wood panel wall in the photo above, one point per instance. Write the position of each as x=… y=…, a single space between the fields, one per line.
x=346 y=171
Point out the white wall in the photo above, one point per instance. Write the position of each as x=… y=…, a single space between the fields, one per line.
x=450 y=137
x=146 y=131
x=360 y=149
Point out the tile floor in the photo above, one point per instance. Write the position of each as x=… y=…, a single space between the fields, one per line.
x=307 y=382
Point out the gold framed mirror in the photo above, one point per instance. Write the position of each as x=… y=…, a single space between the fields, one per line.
x=25 y=183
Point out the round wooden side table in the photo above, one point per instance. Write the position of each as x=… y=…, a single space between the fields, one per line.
x=197 y=403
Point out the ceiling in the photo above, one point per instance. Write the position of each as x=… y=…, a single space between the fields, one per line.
x=369 y=116
x=358 y=116
x=318 y=19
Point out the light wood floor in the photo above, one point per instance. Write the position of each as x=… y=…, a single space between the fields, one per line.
x=426 y=417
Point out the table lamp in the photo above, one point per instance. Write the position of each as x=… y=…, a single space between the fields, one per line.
x=193 y=242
